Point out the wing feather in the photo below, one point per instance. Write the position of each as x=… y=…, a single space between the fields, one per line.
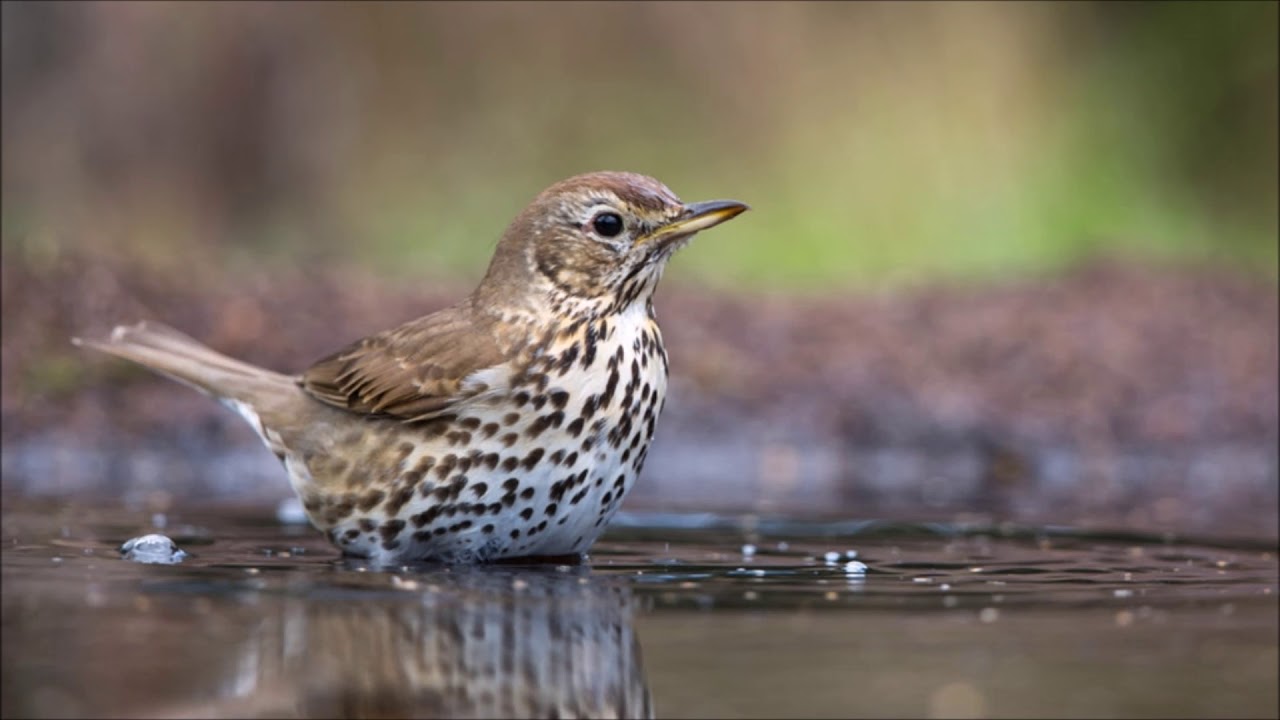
x=414 y=372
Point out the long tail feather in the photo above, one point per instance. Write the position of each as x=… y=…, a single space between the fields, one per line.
x=186 y=360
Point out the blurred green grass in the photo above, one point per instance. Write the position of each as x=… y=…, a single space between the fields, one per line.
x=877 y=143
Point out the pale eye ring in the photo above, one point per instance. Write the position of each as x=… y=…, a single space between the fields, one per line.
x=607 y=224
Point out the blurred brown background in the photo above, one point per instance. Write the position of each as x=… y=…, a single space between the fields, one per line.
x=1008 y=260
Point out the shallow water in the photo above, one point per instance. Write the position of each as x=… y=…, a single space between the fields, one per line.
x=675 y=616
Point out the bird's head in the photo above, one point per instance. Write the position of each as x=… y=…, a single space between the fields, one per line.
x=595 y=243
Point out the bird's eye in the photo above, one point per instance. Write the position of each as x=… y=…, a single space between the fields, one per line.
x=607 y=224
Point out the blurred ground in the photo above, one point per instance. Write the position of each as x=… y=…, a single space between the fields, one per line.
x=1113 y=395
x=1014 y=259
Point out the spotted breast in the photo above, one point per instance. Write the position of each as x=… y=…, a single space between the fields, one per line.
x=538 y=471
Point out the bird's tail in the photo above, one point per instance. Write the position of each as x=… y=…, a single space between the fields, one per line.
x=186 y=360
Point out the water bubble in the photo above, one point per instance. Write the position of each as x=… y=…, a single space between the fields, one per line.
x=152 y=549
x=832 y=557
x=748 y=550
x=989 y=615
x=1122 y=593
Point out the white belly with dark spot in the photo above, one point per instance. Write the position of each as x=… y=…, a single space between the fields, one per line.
x=538 y=472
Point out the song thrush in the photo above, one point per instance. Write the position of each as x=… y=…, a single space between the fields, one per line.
x=511 y=424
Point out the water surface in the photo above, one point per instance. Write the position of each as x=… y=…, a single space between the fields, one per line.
x=674 y=616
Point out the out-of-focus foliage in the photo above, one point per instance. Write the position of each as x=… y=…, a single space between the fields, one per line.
x=875 y=141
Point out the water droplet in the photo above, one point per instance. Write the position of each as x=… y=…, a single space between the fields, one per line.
x=989 y=615
x=150 y=549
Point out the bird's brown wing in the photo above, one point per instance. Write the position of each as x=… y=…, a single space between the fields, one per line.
x=414 y=372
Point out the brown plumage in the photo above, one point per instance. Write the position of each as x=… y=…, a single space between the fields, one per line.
x=512 y=423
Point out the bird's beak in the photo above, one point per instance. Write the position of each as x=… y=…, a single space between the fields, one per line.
x=696 y=217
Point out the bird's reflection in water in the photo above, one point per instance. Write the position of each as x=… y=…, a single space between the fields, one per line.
x=473 y=643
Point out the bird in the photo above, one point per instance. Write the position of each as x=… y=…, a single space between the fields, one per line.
x=507 y=426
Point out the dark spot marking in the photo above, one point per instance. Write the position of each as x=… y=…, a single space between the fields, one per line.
x=551 y=509
x=531 y=460
x=537 y=426
x=369 y=501
x=390 y=530
x=398 y=500
x=566 y=359
x=480 y=489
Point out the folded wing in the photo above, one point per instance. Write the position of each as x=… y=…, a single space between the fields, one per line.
x=423 y=369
